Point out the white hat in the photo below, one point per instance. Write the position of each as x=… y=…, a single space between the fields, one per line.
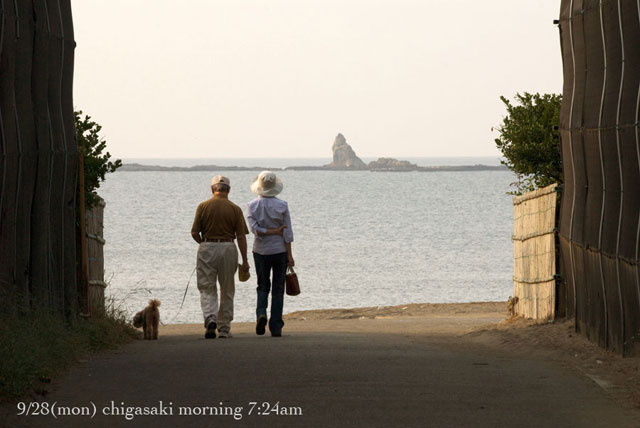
x=220 y=179
x=266 y=184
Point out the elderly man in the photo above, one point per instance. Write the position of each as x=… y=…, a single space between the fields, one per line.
x=270 y=221
x=218 y=221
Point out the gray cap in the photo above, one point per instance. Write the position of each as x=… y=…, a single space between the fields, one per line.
x=220 y=179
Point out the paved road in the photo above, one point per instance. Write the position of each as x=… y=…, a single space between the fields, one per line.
x=370 y=377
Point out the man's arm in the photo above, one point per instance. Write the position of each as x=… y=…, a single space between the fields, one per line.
x=278 y=231
x=195 y=228
x=262 y=231
x=242 y=245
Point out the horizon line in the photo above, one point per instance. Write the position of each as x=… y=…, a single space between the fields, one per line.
x=301 y=157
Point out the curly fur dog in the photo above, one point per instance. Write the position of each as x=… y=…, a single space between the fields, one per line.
x=148 y=319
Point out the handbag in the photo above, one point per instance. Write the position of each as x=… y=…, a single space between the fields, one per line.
x=291 y=282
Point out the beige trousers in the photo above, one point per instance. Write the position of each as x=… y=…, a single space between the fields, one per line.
x=217 y=263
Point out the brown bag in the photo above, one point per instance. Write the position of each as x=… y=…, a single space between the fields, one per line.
x=243 y=275
x=292 y=285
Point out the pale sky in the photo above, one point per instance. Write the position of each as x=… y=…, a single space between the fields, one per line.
x=280 y=78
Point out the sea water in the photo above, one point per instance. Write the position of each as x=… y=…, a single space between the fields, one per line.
x=361 y=238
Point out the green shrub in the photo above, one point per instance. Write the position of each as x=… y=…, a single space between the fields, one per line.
x=35 y=346
x=96 y=163
x=529 y=140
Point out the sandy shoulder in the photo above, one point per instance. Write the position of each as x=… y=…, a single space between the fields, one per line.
x=443 y=319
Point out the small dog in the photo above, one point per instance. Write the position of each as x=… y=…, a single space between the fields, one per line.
x=148 y=319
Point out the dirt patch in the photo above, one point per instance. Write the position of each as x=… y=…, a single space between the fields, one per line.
x=559 y=342
x=409 y=310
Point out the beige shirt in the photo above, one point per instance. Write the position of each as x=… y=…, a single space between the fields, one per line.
x=219 y=218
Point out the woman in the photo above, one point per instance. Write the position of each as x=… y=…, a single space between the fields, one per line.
x=270 y=221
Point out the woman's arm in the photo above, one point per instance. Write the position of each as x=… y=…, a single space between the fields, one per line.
x=255 y=227
x=292 y=263
x=287 y=235
x=262 y=231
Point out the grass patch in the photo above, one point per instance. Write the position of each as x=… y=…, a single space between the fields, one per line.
x=36 y=346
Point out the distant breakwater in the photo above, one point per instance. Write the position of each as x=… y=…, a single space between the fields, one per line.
x=135 y=167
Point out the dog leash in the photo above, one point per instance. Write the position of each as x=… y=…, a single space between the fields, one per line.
x=183 y=297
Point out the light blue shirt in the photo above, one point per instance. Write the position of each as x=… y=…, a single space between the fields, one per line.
x=269 y=213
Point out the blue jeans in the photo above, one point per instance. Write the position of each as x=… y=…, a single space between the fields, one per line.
x=265 y=265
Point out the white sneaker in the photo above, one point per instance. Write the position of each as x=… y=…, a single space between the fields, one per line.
x=222 y=334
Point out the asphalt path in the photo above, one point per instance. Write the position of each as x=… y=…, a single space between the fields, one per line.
x=322 y=375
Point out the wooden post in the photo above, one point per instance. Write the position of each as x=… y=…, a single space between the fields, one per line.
x=95 y=253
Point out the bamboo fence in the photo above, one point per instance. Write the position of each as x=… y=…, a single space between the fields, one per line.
x=95 y=250
x=534 y=254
